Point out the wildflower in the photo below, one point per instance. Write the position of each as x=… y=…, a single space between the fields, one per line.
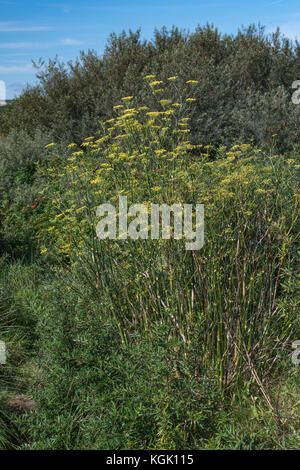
x=235 y=147
x=156 y=82
x=49 y=145
x=129 y=110
x=89 y=138
x=72 y=145
x=193 y=81
x=127 y=98
x=80 y=209
x=118 y=106
x=127 y=115
x=153 y=113
x=261 y=191
x=147 y=77
x=165 y=102
x=33 y=206
x=191 y=99
x=63 y=247
x=173 y=78
x=99 y=141
x=96 y=181
x=43 y=251
x=80 y=152
x=122 y=136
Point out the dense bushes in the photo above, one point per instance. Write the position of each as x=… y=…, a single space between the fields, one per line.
x=244 y=86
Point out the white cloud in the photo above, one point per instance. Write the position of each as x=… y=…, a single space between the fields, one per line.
x=10 y=26
x=6 y=69
x=16 y=45
x=70 y=42
x=40 y=45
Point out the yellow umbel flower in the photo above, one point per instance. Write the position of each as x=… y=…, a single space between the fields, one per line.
x=153 y=113
x=173 y=78
x=80 y=209
x=191 y=99
x=49 y=145
x=165 y=102
x=193 y=81
x=147 y=77
x=118 y=106
x=96 y=181
x=127 y=98
x=156 y=82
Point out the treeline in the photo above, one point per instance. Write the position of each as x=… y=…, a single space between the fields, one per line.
x=244 y=91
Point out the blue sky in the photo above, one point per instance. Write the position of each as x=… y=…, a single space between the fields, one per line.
x=35 y=28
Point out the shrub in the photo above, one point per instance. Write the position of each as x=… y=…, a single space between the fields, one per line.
x=244 y=85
